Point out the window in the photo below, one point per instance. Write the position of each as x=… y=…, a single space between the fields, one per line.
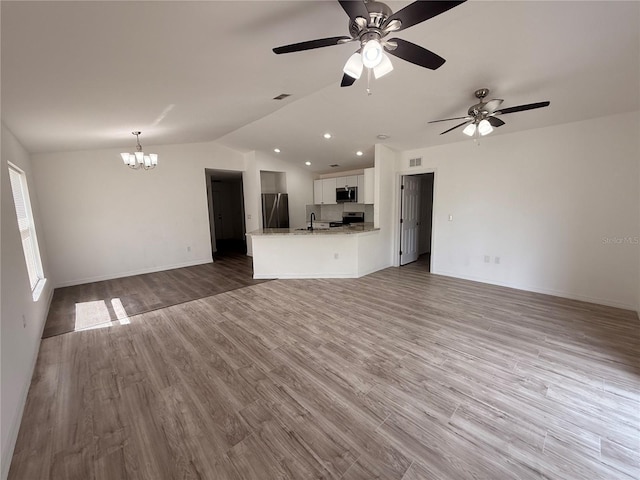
x=27 y=229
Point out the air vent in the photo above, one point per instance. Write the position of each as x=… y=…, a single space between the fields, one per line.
x=415 y=162
x=334 y=165
x=282 y=96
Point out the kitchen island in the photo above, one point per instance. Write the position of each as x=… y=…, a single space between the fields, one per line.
x=338 y=252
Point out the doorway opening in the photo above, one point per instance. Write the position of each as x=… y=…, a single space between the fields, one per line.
x=416 y=219
x=226 y=212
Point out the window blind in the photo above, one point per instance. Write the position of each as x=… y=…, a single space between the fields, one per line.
x=26 y=225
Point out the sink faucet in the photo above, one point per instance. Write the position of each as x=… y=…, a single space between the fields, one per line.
x=312 y=217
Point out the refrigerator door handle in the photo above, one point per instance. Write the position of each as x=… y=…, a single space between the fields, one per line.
x=273 y=211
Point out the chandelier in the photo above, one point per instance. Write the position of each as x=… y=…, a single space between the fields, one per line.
x=138 y=159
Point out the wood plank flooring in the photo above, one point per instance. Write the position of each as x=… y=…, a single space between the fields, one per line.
x=397 y=375
x=96 y=304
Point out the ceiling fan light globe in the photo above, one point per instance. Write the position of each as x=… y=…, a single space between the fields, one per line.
x=384 y=67
x=125 y=158
x=154 y=159
x=470 y=129
x=484 y=127
x=354 y=66
x=372 y=53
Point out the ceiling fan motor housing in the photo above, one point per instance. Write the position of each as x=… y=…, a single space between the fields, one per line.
x=378 y=14
x=478 y=111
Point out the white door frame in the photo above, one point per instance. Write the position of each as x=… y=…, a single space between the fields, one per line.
x=410 y=202
x=397 y=209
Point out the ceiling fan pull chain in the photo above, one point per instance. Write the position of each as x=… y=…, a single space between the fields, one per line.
x=368 y=81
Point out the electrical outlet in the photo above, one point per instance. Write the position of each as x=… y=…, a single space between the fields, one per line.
x=451 y=218
x=249 y=217
x=497 y=260
x=487 y=259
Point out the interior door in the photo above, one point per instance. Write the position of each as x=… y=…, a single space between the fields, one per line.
x=409 y=219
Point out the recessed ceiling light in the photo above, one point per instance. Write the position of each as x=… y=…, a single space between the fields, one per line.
x=277 y=150
x=359 y=153
x=382 y=136
x=327 y=136
x=307 y=163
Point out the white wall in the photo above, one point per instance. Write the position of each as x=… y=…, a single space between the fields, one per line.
x=544 y=201
x=103 y=220
x=299 y=185
x=273 y=182
x=385 y=203
x=20 y=339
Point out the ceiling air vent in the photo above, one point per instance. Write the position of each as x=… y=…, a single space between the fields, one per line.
x=282 y=96
x=334 y=165
x=415 y=162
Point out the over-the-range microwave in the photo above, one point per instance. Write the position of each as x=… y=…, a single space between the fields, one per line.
x=346 y=194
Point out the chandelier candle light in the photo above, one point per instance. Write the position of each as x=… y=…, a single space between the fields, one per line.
x=138 y=159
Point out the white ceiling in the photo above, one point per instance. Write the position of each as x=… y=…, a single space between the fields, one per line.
x=83 y=75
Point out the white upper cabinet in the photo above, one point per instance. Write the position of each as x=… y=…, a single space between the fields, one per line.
x=317 y=192
x=324 y=191
x=350 y=181
x=369 y=181
x=361 y=188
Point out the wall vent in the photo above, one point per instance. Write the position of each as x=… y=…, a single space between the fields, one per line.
x=282 y=96
x=334 y=165
x=415 y=162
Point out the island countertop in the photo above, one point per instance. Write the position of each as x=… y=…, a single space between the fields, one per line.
x=352 y=229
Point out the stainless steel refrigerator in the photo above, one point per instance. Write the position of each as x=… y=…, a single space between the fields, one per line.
x=275 y=210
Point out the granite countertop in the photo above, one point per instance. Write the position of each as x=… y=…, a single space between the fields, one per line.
x=344 y=230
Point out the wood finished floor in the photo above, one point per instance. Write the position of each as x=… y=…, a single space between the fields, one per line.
x=397 y=375
x=96 y=304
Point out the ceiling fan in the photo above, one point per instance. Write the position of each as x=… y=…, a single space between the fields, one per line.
x=369 y=23
x=481 y=117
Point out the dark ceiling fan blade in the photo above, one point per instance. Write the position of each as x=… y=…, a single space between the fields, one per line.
x=447 y=119
x=420 y=11
x=495 y=121
x=347 y=80
x=521 y=108
x=321 y=42
x=453 y=128
x=415 y=54
x=355 y=8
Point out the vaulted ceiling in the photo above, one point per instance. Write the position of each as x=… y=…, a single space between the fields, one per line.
x=83 y=75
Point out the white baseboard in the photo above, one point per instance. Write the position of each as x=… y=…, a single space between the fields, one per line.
x=371 y=270
x=292 y=276
x=130 y=273
x=545 y=291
